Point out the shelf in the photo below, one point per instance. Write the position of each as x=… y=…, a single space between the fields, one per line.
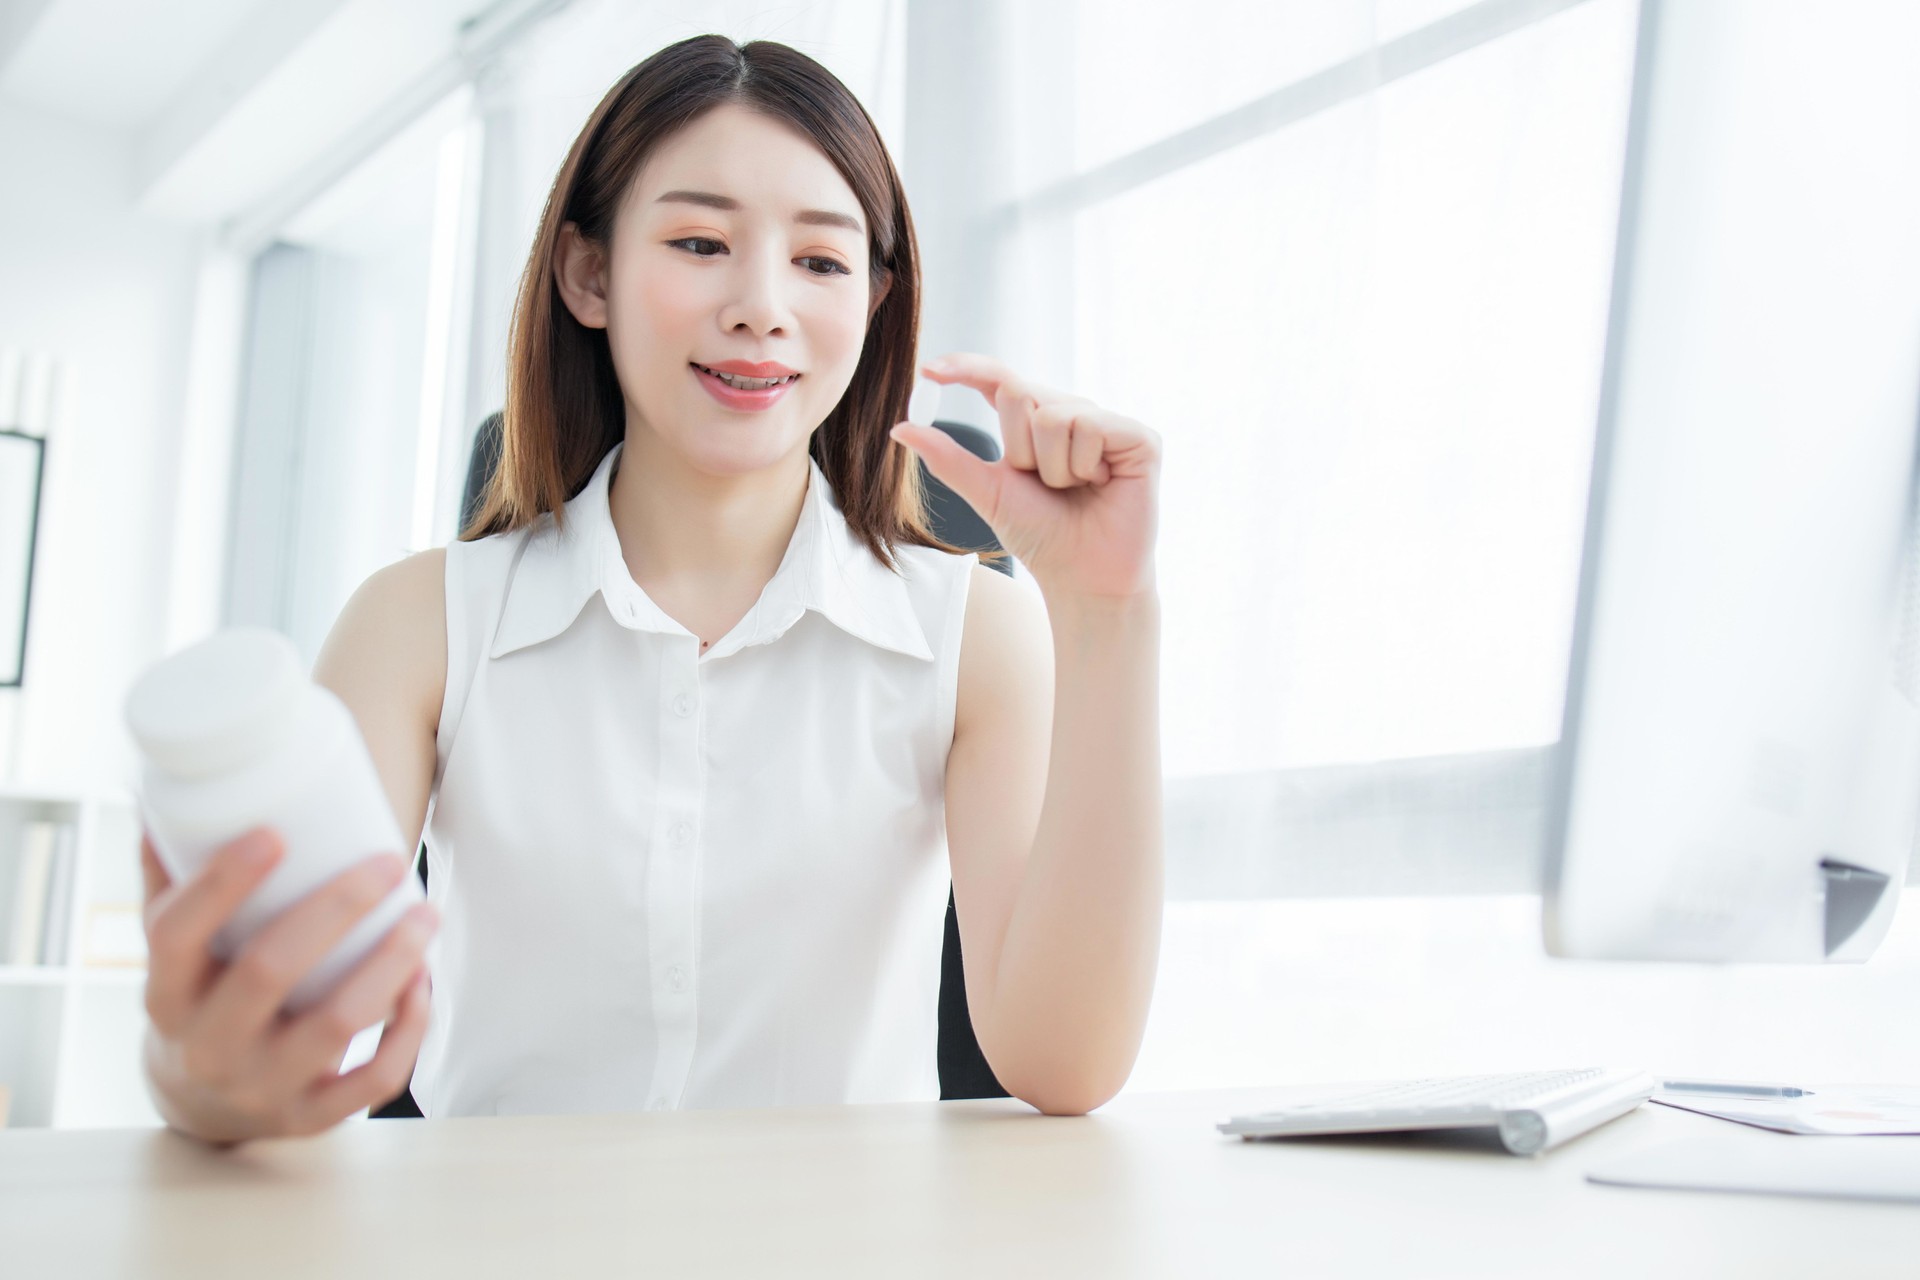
x=47 y=975
x=108 y=975
x=16 y=793
x=69 y=1032
x=32 y=975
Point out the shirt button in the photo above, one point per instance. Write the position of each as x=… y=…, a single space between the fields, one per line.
x=679 y=833
x=677 y=978
x=659 y=1104
x=683 y=703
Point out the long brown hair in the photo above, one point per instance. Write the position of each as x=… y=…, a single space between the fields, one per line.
x=564 y=406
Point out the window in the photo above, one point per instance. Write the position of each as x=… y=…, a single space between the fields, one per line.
x=351 y=448
x=1371 y=336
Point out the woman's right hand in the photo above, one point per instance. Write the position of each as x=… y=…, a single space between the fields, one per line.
x=225 y=1064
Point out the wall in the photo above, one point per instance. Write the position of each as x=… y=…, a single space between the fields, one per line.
x=109 y=292
x=1305 y=991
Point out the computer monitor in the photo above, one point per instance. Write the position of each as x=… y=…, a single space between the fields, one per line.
x=1739 y=770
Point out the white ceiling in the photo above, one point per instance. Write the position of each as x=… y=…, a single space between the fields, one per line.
x=232 y=109
x=118 y=62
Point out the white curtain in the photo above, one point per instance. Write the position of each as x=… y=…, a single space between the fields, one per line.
x=1372 y=339
x=1351 y=258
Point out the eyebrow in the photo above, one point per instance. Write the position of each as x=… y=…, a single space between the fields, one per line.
x=808 y=217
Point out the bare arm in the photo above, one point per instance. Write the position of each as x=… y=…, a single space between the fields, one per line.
x=1053 y=820
x=1060 y=918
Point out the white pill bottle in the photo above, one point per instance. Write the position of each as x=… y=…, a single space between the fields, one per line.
x=233 y=736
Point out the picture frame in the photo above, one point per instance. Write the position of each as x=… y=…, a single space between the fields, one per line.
x=22 y=471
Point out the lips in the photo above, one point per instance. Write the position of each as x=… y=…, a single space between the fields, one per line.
x=758 y=394
x=742 y=376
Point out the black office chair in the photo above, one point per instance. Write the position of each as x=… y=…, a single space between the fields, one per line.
x=964 y=1072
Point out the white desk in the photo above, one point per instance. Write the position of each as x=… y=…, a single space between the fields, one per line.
x=1143 y=1187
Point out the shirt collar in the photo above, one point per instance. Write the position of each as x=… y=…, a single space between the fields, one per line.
x=825 y=569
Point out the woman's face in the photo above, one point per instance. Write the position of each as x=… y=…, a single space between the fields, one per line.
x=737 y=242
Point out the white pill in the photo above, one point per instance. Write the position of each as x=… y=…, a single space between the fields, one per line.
x=924 y=404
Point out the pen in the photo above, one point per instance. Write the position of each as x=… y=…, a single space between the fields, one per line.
x=1733 y=1090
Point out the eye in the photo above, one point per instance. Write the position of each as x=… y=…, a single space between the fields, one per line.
x=833 y=267
x=699 y=240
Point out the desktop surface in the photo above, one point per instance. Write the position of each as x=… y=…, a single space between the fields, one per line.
x=1142 y=1187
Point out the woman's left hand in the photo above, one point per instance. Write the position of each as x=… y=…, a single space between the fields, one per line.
x=1074 y=499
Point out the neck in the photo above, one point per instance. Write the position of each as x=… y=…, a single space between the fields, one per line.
x=678 y=525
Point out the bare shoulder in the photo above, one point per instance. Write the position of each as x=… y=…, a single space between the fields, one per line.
x=997 y=603
x=386 y=658
x=1006 y=649
x=392 y=632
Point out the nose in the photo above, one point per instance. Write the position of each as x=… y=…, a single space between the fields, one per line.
x=756 y=299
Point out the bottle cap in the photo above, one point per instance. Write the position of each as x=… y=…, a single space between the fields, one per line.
x=215 y=705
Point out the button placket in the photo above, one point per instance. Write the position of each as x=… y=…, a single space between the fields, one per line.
x=674 y=876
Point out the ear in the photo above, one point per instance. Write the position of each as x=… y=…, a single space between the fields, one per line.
x=579 y=272
x=879 y=294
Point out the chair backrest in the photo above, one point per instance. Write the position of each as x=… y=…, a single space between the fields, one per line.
x=948 y=515
x=481 y=464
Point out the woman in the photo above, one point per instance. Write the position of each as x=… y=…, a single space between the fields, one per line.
x=727 y=717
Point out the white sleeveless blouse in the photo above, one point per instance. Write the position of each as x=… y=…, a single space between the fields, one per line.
x=674 y=879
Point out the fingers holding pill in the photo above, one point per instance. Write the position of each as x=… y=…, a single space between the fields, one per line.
x=1018 y=401
x=1002 y=388
x=1073 y=497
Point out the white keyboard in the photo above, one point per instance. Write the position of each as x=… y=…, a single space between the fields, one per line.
x=1531 y=1110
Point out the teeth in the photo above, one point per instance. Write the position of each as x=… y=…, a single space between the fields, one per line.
x=746 y=384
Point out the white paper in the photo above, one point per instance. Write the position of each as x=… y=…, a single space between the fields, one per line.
x=1834 y=1110
x=1842 y=1168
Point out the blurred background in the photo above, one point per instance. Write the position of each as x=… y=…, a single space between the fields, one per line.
x=1350 y=258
